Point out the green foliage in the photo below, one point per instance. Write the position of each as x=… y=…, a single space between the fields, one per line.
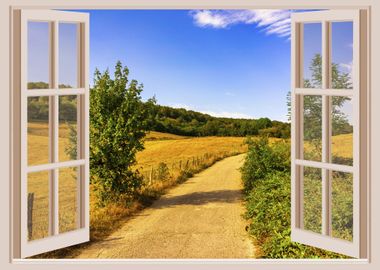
x=266 y=176
x=190 y=123
x=313 y=104
x=262 y=159
x=71 y=148
x=119 y=121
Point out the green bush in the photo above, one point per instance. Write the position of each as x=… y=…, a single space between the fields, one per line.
x=262 y=159
x=266 y=176
x=119 y=120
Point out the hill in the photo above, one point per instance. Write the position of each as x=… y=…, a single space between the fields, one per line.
x=191 y=123
x=166 y=119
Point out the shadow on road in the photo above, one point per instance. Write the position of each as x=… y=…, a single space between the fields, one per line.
x=199 y=198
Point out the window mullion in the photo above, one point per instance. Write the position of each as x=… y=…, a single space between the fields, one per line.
x=326 y=129
x=54 y=129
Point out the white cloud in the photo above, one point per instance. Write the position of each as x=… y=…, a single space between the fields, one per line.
x=180 y=106
x=346 y=67
x=228 y=114
x=271 y=21
x=212 y=113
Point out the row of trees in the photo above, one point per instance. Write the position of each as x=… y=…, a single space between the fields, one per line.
x=190 y=123
x=170 y=120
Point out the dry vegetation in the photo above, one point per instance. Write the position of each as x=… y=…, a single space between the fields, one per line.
x=38 y=183
x=167 y=160
x=182 y=155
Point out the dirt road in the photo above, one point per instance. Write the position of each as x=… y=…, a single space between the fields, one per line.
x=200 y=218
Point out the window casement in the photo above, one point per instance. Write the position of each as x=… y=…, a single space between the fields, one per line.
x=50 y=126
x=329 y=199
x=51 y=120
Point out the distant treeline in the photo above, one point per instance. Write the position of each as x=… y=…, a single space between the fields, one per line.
x=186 y=122
x=170 y=120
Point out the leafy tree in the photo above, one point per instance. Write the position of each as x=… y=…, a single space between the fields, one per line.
x=119 y=120
x=313 y=104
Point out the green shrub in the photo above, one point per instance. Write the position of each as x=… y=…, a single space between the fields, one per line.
x=262 y=159
x=266 y=178
x=119 y=120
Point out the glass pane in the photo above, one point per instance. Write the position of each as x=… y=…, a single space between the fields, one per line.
x=67 y=199
x=67 y=128
x=68 y=55
x=38 y=205
x=342 y=205
x=38 y=130
x=38 y=55
x=312 y=51
x=342 y=131
x=312 y=200
x=312 y=128
x=341 y=54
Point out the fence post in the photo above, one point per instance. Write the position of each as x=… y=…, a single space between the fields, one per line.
x=30 y=214
x=151 y=176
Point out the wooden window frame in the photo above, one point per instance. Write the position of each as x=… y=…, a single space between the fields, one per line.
x=358 y=247
x=22 y=247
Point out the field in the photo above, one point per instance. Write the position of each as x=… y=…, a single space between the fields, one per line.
x=166 y=160
x=38 y=183
x=341 y=149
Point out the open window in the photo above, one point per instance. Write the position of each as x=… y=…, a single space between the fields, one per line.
x=51 y=127
x=329 y=131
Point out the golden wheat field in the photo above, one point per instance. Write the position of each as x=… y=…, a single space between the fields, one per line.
x=159 y=147
x=38 y=182
x=183 y=149
x=172 y=153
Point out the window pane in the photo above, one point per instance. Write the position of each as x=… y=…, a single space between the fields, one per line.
x=68 y=55
x=38 y=205
x=38 y=130
x=342 y=130
x=38 y=55
x=67 y=199
x=68 y=128
x=341 y=55
x=312 y=51
x=342 y=205
x=312 y=199
x=312 y=128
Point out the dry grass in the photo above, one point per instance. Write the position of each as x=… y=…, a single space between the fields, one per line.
x=155 y=135
x=341 y=149
x=342 y=145
x=38 y=183
x=175 y=150
x=183 y=155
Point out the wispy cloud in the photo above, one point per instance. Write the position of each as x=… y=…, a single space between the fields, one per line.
x=180 y=106
x=347 y=67
x=212 y=113
x=228 y=114
x=272 y=22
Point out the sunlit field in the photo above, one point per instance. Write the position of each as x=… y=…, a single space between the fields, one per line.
x=38 y=183
x=165 y=158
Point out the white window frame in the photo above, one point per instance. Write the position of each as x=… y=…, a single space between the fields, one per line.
x=358 y=247
x=8 y=66
x=22 y=247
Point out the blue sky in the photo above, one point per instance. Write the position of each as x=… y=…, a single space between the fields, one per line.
x=225 y=63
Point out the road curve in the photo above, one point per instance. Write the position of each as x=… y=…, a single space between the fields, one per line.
x=200 y=218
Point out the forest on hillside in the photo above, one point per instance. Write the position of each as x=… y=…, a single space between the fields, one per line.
x=170 y=120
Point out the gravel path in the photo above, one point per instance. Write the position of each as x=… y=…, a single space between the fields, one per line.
x=200 y=218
